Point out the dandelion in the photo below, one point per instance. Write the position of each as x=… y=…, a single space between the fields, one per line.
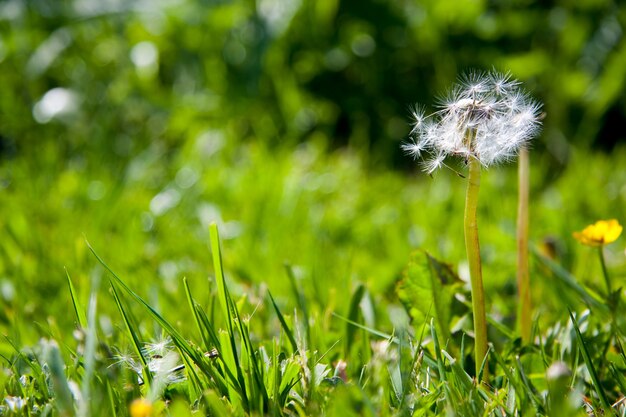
x=485 y=119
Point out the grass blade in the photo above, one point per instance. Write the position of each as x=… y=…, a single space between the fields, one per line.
x=146 y=375
x=185 y=348
x=592 y=370
x=593 y=301
x=375 y=332
x=78 y=309
x=283 y=323
x=440 y=364
x=196 y=318
x=226 y=305
x=222 y=290
x=353 y=316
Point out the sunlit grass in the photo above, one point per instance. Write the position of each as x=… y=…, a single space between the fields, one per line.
x=334 y=326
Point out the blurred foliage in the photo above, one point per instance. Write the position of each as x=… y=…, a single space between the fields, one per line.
x=134 y=73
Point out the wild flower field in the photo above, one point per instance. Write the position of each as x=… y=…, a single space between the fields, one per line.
x=249 y=280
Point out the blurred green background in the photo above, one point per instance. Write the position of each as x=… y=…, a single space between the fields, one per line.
x=134 y=124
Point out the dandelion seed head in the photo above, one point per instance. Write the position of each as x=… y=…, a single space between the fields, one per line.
x=486 y=116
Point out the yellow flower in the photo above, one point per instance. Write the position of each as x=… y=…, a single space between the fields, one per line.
x=600 y=233
x=141 y=408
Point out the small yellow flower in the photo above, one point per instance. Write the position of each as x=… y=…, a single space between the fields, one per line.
x=600 y=233
x=141 y=408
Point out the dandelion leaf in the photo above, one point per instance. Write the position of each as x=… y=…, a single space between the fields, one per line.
x=427 y=290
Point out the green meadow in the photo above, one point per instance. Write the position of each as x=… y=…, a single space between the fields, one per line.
x=205 y=211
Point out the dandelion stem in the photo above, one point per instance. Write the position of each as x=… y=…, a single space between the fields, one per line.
x=523 y=277
x=473 y=256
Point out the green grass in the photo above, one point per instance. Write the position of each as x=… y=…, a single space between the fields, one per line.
x=311 y=298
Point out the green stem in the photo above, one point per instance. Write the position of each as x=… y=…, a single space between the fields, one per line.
x=523 y=276
x=473 y=256
x=605 y=273
x=612 y=299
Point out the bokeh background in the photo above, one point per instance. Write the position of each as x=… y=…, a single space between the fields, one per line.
x=134 y=124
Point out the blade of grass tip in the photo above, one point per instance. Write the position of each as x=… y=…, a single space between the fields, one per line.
x=283 y=323
x=130 y=329
x=592 y=370
x=78 y=309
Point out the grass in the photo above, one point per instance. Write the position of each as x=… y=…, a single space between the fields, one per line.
x=279 y=282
